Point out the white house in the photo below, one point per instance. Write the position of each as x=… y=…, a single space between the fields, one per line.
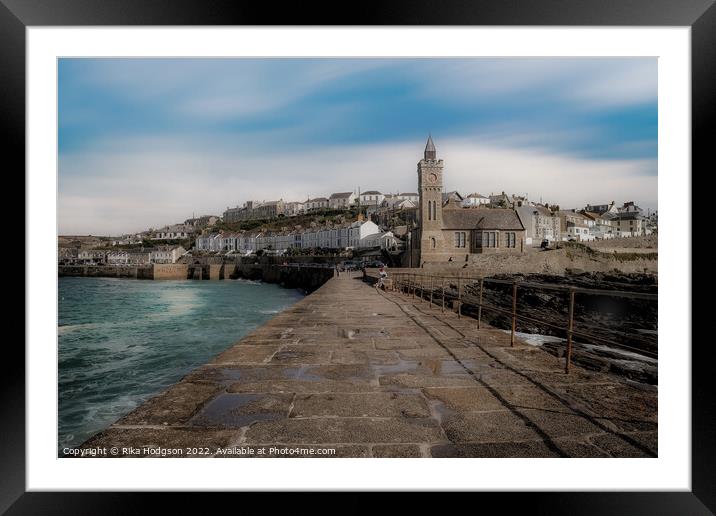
x=578 y=233
x=371 y=198
x=600 y=227
x=174 y=232
x=341 y=200
x=317 y=203
x=210 y=242
x=293 y=208
x=92 y=256
x=166 y=254
x=475 y=199
x=128 y=257
x=409 y=196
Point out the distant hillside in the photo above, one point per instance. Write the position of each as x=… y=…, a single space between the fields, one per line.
x=81 y=241
x=277 y=224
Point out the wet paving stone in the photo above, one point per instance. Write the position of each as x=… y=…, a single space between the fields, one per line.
x=378 y=404
x=371 y=374
x=237 y=410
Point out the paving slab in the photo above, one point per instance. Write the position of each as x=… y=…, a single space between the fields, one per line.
x=396 y=450
x=378 y=404
x=364 y=373
x=345 y=430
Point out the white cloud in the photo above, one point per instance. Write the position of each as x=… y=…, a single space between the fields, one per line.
x=220 y=88
x=134 y=186
x=585 y=82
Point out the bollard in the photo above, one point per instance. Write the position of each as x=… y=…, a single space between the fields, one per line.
x=514 y=312
x=479 y=305
x=570 y=327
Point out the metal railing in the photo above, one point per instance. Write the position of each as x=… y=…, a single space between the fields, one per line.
x=462 y=291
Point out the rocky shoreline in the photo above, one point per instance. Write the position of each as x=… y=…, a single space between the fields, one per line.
x=613 y=334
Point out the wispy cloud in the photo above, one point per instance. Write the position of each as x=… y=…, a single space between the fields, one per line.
x=141 y=187
x=145 y=142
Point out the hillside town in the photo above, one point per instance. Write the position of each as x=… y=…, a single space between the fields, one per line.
x=428 y=225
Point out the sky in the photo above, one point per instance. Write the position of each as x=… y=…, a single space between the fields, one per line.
x=149 y=142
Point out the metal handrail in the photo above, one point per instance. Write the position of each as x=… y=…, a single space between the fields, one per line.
x=461 y=299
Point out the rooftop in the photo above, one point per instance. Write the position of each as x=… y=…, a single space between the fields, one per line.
x=502 y=219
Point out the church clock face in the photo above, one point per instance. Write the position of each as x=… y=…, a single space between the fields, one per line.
x=432 y=177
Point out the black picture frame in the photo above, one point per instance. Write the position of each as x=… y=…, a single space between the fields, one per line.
x=700 y=15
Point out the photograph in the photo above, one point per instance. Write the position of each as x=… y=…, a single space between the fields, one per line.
x=358 y=257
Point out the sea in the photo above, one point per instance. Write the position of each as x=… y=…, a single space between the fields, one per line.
x=121 y=341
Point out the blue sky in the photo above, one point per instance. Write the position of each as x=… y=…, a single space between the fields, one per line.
x=147 y=142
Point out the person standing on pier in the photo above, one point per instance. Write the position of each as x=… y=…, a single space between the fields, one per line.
x=382 y=275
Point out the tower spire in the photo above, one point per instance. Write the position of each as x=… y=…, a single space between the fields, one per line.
x=430 y=153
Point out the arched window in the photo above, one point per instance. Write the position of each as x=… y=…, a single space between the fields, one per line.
x=433 y=243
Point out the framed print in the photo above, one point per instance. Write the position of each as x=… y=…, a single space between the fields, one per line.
x=421 y=242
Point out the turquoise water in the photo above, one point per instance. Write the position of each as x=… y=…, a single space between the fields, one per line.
x=122 y=341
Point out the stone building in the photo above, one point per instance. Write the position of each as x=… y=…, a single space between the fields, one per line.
x=254 y=210
x=629 y=223
x=540 y=224
x=202 y=222
x=449 y=232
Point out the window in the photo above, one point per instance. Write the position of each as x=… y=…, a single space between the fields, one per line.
x=459 y=239
x=433 y=243
x=489 y=239
x=511 y=239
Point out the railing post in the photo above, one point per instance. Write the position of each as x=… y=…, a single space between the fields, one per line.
x=479 y=304
x=459 y=296
x=431 y=292
x=570 y=327
x=514 y=312
x=422 y=288
x=442 y=287
x=414 y=285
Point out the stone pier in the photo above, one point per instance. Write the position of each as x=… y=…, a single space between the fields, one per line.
x=350 y=371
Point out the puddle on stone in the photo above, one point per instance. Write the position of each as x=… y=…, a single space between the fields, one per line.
x=304 y=373
x=290 y=354
x=439 y=410
x=403 y=366
x=226 y=410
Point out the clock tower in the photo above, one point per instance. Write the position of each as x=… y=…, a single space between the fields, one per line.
x=430 y=212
